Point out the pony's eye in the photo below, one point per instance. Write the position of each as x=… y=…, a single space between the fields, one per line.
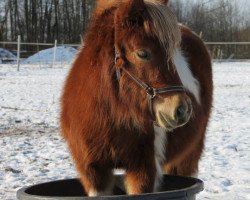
x=144 y=55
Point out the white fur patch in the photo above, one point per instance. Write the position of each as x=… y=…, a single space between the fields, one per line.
x=94 y=193
x=160 y=148
x=107 y=192
x=185 y=74
x=195 y=175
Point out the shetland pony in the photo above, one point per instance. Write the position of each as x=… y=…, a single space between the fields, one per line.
x=138 y=97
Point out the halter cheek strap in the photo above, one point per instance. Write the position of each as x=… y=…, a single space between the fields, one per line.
x=151 y=91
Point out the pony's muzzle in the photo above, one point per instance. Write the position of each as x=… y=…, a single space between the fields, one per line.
x=183 y=112
x=172 y=111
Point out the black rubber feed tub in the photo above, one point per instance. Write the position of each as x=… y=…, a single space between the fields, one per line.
x=172 y=187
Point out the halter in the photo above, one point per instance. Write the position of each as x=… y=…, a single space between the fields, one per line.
x=151 y=91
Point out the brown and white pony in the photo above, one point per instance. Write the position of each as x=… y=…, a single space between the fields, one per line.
x=138 y=97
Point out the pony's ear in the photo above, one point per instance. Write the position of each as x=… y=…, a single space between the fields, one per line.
x=164 y=1
x=102 y=5
x=136 y=3
x=129 y=13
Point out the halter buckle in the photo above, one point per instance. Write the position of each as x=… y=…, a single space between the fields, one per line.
x=116 y=56
x=151 y=92
x=118 y=74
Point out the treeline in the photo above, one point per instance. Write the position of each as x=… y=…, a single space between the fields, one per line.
x=215 y=20
x=44 y=20
x=65 y=20
x=218 y=21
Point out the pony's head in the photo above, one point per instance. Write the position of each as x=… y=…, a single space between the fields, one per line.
x=147 y=38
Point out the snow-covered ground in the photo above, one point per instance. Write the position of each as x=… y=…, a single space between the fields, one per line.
x=33 y=151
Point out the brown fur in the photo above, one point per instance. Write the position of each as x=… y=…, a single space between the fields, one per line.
x=107 y=123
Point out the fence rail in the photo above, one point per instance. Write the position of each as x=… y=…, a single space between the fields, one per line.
x=229 y=50
x=77 y=45
x=23 y=50
x=228 y=43
x=218 y=50
x=39 y=44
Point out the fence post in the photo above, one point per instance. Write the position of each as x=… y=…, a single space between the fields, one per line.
x=201 y=34
x=38 y=52
x=81 y=38
x=18 y=52
x=54 y=57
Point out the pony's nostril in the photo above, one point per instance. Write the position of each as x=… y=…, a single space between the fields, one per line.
x=180 y=113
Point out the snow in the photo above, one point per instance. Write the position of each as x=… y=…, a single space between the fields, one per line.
x=225 y=166
x=62 y=54
x=33 y=151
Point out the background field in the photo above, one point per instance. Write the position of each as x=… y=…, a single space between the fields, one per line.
x=33 y=151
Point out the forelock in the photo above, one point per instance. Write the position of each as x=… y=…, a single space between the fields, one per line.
x=164 y=25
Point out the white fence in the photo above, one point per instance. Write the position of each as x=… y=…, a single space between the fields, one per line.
x=228 y=51
x=22 y=50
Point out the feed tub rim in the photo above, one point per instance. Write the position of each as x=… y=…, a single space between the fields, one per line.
x=192 y=190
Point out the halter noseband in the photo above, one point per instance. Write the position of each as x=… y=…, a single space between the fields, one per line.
x=151 y=91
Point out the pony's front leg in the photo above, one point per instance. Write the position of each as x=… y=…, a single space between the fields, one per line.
x=140 y=180
x=97 y=180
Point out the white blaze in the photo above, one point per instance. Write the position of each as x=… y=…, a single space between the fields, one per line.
x=185 y=74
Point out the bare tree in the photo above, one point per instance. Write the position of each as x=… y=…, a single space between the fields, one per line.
x=47 y=20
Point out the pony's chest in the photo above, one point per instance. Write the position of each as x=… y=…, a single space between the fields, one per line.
x=127 y=149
